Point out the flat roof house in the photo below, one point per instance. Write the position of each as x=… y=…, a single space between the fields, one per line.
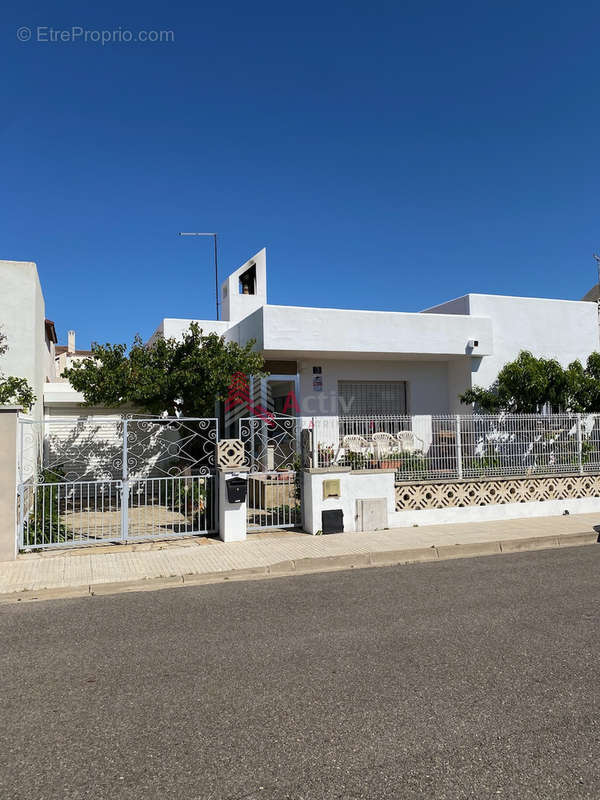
x=345 y=368
x=30 y=336
x=338 y=362
x=351 y=362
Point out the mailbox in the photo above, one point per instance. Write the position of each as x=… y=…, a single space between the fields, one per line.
x=236 y=489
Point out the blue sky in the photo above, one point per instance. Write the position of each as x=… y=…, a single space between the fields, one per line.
x=388 y=155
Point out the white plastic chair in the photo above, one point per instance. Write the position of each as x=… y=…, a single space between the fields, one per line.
x=355 y=444
x=409 y=442
x=385 y=444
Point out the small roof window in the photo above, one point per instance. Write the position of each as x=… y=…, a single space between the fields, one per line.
x=248 y=281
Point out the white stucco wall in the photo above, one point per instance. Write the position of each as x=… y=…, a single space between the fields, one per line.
x=61 y=400
x=22 y=314
x=251 y=327
x=336 y=332
x=234 y=305
x=175 y=328
x=427 y=390
x=459 y=380
x=354 y=486
x=61 y=394
x=50 y=372
x=561 y=329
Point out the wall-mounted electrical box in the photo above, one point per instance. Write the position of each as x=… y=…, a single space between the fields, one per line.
x=332 y=521
x=331 y=488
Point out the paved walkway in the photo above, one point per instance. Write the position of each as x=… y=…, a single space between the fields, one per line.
x=116 y=568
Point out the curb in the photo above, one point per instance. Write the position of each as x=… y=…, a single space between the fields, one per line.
x=307 y=566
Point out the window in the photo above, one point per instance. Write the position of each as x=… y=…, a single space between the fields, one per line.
x=357 y=398
x=247 y=281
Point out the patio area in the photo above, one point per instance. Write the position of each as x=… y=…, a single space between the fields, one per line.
x=456 y=447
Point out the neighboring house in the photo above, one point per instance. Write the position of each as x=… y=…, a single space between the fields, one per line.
x=67 y=356
x=33 y=352
x=31 y=338
x=593 y=296
x=346 y=362
x=60 y=399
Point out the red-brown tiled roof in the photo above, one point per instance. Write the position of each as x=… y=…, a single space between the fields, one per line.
x=50 y=330
x=62 y=348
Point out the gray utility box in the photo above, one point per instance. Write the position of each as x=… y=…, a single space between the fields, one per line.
x=372 y=514
x=332 y=521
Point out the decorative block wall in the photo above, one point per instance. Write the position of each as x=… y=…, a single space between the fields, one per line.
x=495 y=491
x=230 y=453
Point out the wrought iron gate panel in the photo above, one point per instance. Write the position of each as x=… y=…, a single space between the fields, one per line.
x=170 y=448
x=271 y=442
x=166 y=507
x=69 y=513
x=93 y=480
x=272 y=451
x=273 y=500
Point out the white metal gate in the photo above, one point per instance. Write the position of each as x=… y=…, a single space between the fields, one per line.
x=93 y=480
x=274 y=483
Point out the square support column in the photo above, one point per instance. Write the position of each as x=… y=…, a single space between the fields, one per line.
x=232 y=516
x=9 y=416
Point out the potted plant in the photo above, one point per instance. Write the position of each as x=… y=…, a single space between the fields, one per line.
x=325 y=455
x=412 y=463
x=356 y=460
x=391 y=461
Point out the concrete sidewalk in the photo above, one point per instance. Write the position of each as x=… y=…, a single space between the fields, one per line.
x=138 y=567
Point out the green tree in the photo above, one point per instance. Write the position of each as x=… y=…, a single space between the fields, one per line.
x=584 y=385
x=184 y=376
x=527 y=384
x=14 y=391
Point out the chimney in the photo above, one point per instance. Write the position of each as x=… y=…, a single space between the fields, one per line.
x=71 y=342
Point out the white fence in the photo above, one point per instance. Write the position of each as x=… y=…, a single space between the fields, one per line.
x=426 y=447
x=96 y=479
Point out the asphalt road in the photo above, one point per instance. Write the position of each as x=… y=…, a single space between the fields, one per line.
x=471 y=678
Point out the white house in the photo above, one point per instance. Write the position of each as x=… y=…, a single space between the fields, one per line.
x=338 y=362
x=391 y=362
x=347 y=363
x=33 y=352
x=31 y=338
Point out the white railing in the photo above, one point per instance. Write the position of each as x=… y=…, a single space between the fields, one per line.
x=66 y=513
x=95 y=479
x=430 y=447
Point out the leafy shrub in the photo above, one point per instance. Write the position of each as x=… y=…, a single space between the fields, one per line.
x=43 y=523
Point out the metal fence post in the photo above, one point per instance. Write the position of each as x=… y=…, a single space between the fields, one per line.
x=20 y=487
x=125 y=487
x=459 y=467
x=21 y=447
x=315 y=450
x=21 y=520
x=579 y=445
